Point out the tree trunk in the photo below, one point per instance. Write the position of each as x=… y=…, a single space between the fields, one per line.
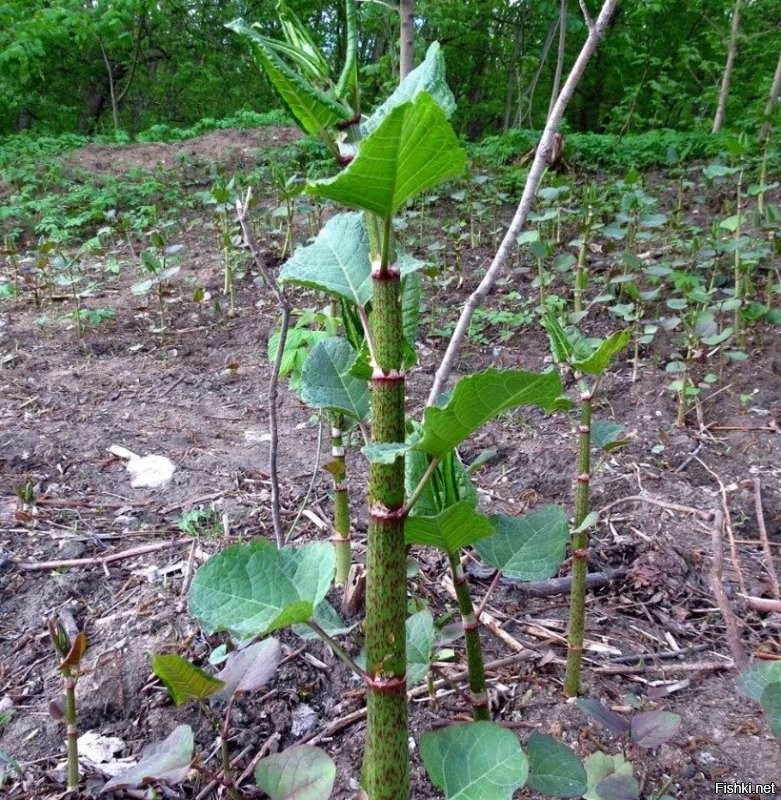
x=407 y=43
x=732 y=51
x=563 y=14
x=512 y=79
x=772 y=99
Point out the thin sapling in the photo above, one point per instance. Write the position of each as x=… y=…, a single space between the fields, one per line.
x=70 y=655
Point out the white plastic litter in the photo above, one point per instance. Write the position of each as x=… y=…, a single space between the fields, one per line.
x=145 y=471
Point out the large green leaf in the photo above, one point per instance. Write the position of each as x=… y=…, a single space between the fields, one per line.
x=553 y=768
x=300 y=772
x=455 y=527
x=426 y=77
x=474 y=761
x=756 y=677
x=312 y=107
x=337 y=262
x=254 y=588
x=420 y=641
x=326 y=382
x=528 y=548
x=771 y=704
x=184 y=680
x=483 y=396
x=413 y=149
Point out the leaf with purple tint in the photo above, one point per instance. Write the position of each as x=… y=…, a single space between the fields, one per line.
x=167 y=761
x=614 y=722
x=249 y=669
x=652 y=728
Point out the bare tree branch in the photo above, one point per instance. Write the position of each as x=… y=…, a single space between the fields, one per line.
x=596 y=33
x=242 y=215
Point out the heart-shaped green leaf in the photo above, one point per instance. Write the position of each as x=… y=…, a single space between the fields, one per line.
x=615 y=770
x=254 y=588
x=420 y=641
x=771 y=704
x=326 y=381
x=528 y=548
x=184 y=680
x=457 y=526
x=474 y=761
x=756 y=677
x=167 y=761
x=483 y=396
x=411 y=150
x=250 y=668
x=301 y=772
x=314 y=110
x=337 y=262
x=553 y=768
x=429 y=76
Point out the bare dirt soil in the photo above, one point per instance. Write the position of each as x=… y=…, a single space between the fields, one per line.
x=656 y=634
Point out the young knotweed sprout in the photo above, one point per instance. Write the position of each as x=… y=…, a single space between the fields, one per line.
x=245 y=670
x=70 y=655
x=222 y=197
x=572 y=349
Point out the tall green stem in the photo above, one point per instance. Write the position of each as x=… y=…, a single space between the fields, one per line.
x=579 y=544
x=386 y=758
x=474 y=654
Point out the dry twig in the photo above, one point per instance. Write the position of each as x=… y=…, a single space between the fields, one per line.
x=730 y=620
x=242 y=214
x=769 y=566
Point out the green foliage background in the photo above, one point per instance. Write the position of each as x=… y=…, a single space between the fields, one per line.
x=659 y=67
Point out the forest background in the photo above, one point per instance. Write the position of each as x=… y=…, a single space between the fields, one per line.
x=124 y=66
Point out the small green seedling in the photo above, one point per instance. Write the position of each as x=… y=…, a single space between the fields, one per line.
x=203 y=523
x=70 y=655
x=161 y=262
x=613 y=776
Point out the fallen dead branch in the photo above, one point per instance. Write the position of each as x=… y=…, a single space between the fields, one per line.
x=765 y=604
x=769 y=566
x=102 y=561
x=663 y=669
x=554 y=586
x=730 y=620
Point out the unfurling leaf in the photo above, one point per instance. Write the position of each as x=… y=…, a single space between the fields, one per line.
x=183 y=680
